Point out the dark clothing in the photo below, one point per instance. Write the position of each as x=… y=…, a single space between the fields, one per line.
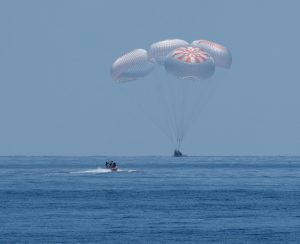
x=110 y=164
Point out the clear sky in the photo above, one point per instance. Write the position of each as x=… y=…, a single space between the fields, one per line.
x=57 y=97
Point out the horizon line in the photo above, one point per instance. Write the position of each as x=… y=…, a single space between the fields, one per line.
x=152 y=155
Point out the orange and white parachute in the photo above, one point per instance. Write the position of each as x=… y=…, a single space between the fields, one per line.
x=190 y=63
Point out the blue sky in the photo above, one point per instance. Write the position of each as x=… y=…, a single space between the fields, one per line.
x=57 y=97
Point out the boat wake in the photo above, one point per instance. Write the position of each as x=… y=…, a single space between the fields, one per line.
x=102 y=171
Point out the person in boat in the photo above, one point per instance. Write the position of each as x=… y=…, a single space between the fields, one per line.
x=108 y=164
x=111 y=165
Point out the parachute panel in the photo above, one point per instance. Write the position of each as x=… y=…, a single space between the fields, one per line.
x=131 y=66
x=219 y=53
x=159 y=50
x=190 y=63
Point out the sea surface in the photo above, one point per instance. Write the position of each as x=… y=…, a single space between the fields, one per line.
x=150 y=200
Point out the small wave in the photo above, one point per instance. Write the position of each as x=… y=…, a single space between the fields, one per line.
x=102 y=171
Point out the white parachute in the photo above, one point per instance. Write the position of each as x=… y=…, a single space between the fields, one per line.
x=177 y=100
x=159 y=50
x=131 y=66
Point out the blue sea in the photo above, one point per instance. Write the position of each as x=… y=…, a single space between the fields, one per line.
x=150 y=200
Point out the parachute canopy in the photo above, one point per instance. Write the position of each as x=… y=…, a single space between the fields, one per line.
x=131 y=66
x=159 y=50
x=189 y=63
x=219 y=53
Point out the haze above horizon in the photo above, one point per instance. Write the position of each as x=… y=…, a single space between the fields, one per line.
x=57 y=96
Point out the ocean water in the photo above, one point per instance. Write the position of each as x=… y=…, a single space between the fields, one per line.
x=150 y=200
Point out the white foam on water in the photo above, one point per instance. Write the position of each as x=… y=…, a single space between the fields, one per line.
x=102 y=171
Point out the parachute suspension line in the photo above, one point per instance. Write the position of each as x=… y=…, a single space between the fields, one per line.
x=179 y=90
x=184 y=110
x=176 y=93
x=195 y=103
x=207 y=89
x=190 y=98
x=174 y=109
x=164 y=106
x=173 y=95
x=179 y=110
x=143 y=110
